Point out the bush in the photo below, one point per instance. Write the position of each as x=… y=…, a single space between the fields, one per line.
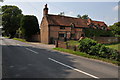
x=86 y=44
x=94 y=50
x=104 y=52
x=91 y=47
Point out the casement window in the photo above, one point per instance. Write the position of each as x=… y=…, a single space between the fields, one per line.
x=72 y=35
x=61 y=35
x=62 y=27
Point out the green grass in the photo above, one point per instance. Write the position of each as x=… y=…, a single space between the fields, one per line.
x=114 y=46
x=86 y=55
x=72 y=43
x=22 y=40
x=19 y=39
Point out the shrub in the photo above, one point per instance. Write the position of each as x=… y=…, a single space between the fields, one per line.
x=91 y=47
x=114 y=54
x=94 y=50
x=85 y=44
x=104 y=52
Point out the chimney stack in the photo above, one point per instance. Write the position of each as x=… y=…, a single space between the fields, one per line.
x=45 y=10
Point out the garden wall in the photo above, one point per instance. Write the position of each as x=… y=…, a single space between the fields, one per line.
x=36 y=38
x=107 y=40
x=60 y=44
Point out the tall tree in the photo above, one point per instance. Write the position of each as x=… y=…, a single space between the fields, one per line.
x=11 y=19
x=61 y=14
x=79 y=16
x=29 y=26
x=85 y=17
x=115 y=28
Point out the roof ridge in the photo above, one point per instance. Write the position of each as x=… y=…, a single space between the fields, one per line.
x=65 y=16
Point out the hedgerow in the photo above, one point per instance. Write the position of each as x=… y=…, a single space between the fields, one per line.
x=91 y=47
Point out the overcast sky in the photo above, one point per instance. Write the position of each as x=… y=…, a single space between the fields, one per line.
x=102 y=10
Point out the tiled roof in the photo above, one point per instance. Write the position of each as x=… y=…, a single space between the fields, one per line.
x=66 y=21
x=98 y=23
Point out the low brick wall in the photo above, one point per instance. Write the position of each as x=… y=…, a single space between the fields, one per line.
x=36 y=38
x=107 y=40
x=74 y=48
x=61 y=44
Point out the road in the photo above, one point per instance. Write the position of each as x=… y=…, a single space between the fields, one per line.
x=23 y=60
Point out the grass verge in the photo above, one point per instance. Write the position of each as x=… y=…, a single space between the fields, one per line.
x=22 y=40
x=114 y=46
x=86 y=55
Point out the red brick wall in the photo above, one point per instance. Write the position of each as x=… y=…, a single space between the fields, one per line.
x=107 y=40
x=55 y=29
x=61 y=44
x=36 y=38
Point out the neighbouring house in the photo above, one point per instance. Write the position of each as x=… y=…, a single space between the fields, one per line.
x=57 y=26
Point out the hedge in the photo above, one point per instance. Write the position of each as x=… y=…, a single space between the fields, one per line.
x=97 y=32
x=91 y=47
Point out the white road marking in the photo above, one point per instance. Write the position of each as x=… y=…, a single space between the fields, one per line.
x=32 y=51
x=73 y=68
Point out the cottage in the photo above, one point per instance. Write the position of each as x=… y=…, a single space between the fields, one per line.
x=57 y=26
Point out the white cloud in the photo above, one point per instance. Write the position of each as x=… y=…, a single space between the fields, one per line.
x=70 y=13
x=116 y=8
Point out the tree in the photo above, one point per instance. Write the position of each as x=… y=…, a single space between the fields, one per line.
x=29 y=26
x=115 y=28
x=79 y=16
x=11 y=19
x=85 y=17
x=61 y=14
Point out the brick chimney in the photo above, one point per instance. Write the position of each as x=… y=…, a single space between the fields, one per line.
x=45 y=10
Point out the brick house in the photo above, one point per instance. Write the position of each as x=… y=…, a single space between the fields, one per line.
x=57 y=26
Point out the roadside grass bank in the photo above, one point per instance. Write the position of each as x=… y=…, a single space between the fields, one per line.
x=19 y=39
x=87 y=55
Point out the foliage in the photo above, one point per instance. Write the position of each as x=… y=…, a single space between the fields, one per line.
x=115 y=28
x=29 y=26
x=61 y=14
x=85 y=17
x=91 y=47
x=86 y=55
x=94 y=50
x=86 y=44
x=89 y=32
x=79 y=16
x=11 y=19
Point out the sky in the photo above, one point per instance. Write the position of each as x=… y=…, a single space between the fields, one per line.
x=102 y=10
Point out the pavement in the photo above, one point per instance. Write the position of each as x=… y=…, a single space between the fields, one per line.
x=31 y=60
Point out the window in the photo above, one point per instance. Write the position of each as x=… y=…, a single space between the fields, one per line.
x=72 y=35
x=61 y=27
x=61 y=35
